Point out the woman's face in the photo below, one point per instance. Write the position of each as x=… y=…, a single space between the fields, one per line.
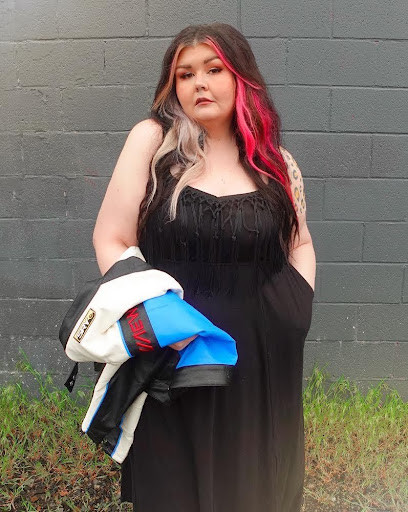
x=201 y=73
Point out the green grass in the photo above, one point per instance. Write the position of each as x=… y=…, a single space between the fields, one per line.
x=46 y=463
x=356 y=446
x=356 y=450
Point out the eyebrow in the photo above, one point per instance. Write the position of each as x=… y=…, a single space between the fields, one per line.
x=188 y=66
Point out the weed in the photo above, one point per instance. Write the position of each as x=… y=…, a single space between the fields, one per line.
x=356 y=449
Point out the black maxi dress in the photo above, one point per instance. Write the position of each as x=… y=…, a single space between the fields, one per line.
x=238 y=448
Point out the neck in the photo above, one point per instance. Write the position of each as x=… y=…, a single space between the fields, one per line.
x=219 y=137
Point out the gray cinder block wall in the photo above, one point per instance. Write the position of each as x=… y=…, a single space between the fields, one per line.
x=75 y=77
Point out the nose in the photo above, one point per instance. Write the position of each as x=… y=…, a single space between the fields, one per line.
x=200 y=81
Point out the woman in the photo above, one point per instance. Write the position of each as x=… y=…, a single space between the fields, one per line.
x=209 y=195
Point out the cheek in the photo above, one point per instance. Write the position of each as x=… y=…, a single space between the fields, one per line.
x=179 y=90
x=228 y=89
x=229 y=94
x=181 y=94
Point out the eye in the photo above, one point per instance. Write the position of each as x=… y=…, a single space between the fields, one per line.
x=185 y=75
x=216 y=70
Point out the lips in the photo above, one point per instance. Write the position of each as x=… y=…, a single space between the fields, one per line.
x=203 y=100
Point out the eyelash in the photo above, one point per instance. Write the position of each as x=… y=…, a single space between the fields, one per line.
x=184 y=76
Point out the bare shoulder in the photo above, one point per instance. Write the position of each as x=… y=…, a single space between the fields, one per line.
x=142 y=142
x=296 y=181
x=147 y=134
x=149 y=127
x=119 y=211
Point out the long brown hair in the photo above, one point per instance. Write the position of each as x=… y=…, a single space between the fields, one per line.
x=256 y=126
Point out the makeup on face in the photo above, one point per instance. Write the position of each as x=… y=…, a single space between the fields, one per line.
x=204 y=86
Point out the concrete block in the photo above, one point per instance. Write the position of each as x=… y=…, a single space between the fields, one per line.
x=121 y=18
x=60 y=63
x=369 y=110
x=382 y=322
x=37 y=109
x=361 y=360
x=323 y=155
x=11 y=190
x=44 y=197
x=11 y=155
x=337 y=241
x=13 y=241
x=97 y=153
x=390 y=156
x=392 y=69
x=387 y=242
x=29 y=317
x=34 y=19
x=84 y=271
x=29 y=238
x=84 y=196
x=332 y=62
x=314 y=194
x=382 y=20
x=400 y=351
x=47 y=238
x=372 y=283
x=76 y=239
x=8 y=75
x=302 y=108
x=48 y=279
x=134 y=61
x=365 y=385
x=45 y=354
x=31 y=387
x=401 y=387
x=273 y=69
x=7 y=21
x=333 y=322
x=325 y=355
x=354 y=360
x=105 y=108
x=72 y=154
x=168 y=18
x=371 y=200
x=286 y=19
x=51 y=154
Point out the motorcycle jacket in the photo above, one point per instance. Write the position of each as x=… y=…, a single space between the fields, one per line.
x=127 y=319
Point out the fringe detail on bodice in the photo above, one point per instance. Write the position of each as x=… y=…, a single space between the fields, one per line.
x=215 y=245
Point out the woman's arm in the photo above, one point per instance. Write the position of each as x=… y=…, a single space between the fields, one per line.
x=302 y=255
x=116 y=224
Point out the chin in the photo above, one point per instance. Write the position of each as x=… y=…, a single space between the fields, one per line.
x=207 y=116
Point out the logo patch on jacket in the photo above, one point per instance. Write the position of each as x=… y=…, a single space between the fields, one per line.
x=84 y=325
x=137 y=331
x=135 y=324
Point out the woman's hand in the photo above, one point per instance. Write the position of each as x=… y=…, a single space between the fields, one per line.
x=183 y=343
